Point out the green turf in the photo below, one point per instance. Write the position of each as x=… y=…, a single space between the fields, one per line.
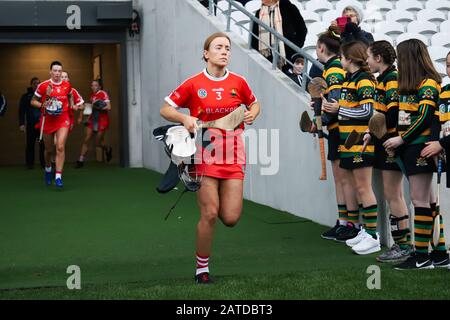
x=109 y=221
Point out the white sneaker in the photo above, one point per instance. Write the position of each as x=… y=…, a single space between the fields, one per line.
x=354 y=241
x=367 y=245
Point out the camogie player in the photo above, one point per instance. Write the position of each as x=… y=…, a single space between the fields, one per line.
x=381 y=58
x=327 y=49
x=77 y=100
x=98 y=123
x=52 y=97
x=355 y=108
x=434 y=148
x=419 y=89
x=209 y=95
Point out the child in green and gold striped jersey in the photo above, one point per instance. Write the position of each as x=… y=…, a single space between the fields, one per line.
x=419 y=89
x=355 y=107
x=381 y=58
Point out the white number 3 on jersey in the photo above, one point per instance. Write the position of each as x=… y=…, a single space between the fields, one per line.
x=219 y=95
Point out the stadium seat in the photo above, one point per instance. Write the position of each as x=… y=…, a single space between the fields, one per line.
x=301 y=2
x=373 y=17
x=440 y=5
x=438 y=53
x=441 y=69
x=253 y=5
x=318 y=6
x=432 y=15
x=317 y=28
x=330 y=15
x=382 y=6
x=400 y=16
x=239 y=17
x=441 y=39
x=392 y=29
x=389 y=28
x=310 y=42
x=382 y=36
x=222 y=6
x=407 y=36
x=409 y=5
x=445 y=26
x=311 y=17
x=425 y=28
x=366 y=27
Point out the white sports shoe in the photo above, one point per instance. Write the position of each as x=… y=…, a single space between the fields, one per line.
x=354 y=241
x=367 y=245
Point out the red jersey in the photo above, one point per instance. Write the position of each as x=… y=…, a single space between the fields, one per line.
x=102 y=123
x=60 y=90
x=77 y=98
x=209 y=98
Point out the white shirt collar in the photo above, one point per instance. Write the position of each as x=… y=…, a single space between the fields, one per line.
x=210 y=77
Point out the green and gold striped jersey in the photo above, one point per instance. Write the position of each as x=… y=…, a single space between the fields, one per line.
x=355 y=108
x=444 y=110
x=386 y=97
x=416 y=112
x=334 y=75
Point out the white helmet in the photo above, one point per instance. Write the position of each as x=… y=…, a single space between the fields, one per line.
x=181 y=145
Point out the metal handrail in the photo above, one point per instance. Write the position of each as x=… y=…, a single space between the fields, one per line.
x=234 y=6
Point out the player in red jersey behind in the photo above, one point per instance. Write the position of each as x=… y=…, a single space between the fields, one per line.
x=98 y=123
x=52 y=97
x=210 y=95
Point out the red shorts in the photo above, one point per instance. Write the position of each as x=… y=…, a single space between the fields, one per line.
x=222 y=155
x=221 y=171
x=54 y=123
x=103 y=123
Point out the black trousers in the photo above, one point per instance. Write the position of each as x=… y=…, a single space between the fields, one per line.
x=32 y=137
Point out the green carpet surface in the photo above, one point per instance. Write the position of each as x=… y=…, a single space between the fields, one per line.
x=109 y=221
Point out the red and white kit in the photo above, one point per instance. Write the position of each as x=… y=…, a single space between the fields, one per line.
x=78 y=101
x=209 y=98
x=103 y=116
x=60 y=91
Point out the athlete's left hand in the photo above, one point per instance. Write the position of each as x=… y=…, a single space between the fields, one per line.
x=393 y=143
x=249 y=117
x=433 y=148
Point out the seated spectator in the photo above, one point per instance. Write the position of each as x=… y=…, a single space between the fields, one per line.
x=295 y=73
x=286 y=19
x=352 y=31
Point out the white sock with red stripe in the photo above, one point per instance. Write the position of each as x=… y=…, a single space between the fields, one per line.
x=58 y=175
x=202 y=264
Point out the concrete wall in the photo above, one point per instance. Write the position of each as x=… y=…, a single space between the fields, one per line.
x=171 y=43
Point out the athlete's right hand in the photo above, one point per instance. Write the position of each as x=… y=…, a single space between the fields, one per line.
x=190 y=123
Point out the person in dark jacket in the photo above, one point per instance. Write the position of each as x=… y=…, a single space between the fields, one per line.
x=295 y=73
x=28 y=118
x=352 y=31
x=285 y=18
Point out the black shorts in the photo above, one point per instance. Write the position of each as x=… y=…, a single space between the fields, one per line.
x=357 y=161
x=382 y=161
x=333 y=144
x=412 y=161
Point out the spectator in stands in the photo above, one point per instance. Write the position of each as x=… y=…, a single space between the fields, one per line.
x=352 y=31
x=28 y=118
x=295 y=73
x=286 y=19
